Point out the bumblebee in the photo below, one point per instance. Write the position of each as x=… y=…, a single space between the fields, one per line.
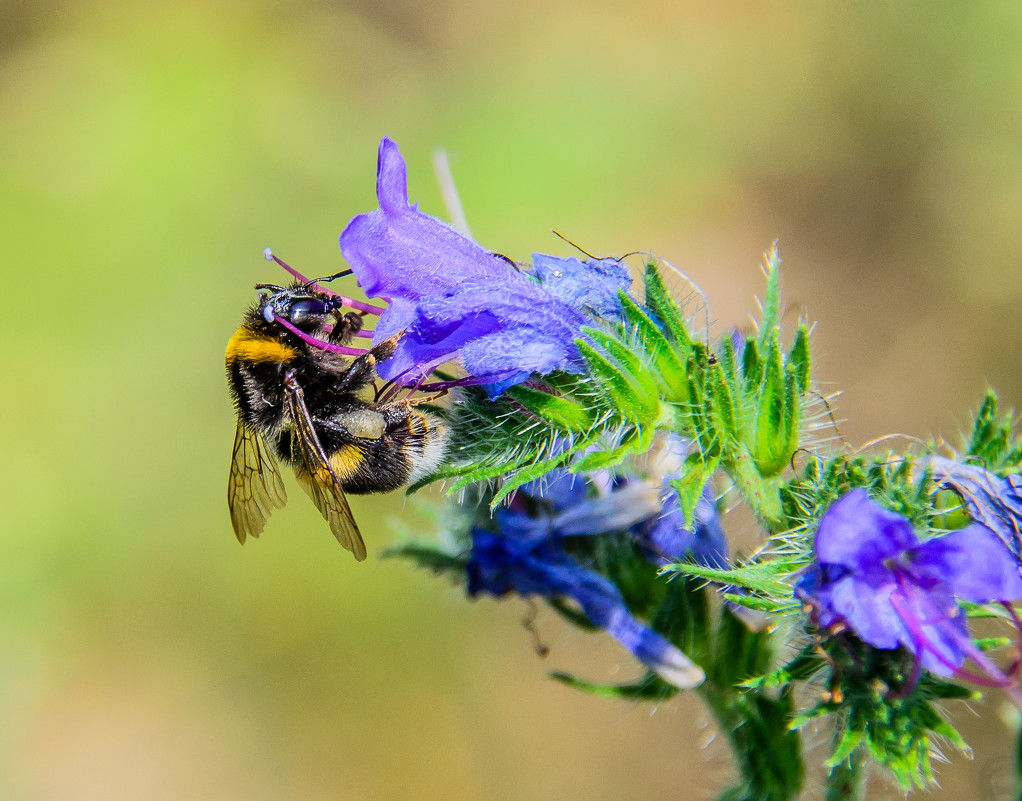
x=302 y=401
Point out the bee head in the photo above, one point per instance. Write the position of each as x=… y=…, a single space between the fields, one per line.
x=299 y=304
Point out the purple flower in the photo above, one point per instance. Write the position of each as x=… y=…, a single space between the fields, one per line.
x=452 y=298
x=524 y=561
x=874 y=575
x=989 y=499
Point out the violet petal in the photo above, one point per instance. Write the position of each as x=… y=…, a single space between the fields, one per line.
x=973 y=562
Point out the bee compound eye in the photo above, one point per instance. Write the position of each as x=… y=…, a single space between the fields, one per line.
x=307 y=307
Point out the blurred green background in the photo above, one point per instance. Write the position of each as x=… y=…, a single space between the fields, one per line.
x=149 y=152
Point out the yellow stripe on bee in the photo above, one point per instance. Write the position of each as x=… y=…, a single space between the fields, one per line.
x=345 y=461
x=246 y=346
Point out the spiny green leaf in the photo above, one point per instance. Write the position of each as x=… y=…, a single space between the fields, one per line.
x=821 y=710
x=932 y=687
x=799 y=357
x=668 y=368
x=563 y=412
x=660 y=302
x=768 y=453
x=723 y=405
x=787 y=442
x=772 y=300
x=695 y=474
x=850 y=740
x=470 y=473
x=618 y=390
x=651 y=687
x=771 y=606
x=636 y=441
x=488 y=472
x=752 y=367
x=760 y=578
x=643 y=386
x=930 y=718
x=802 y=667
x=540 y=468
x=986 y=417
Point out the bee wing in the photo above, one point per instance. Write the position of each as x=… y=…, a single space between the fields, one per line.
x=254 y=487
x=317 y=477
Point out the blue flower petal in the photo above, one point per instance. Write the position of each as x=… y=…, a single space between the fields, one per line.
x=866 y=608
x=499 y=565
x=668 y=539
x=592 y=285
x=860 y=534
x=618 y=510
x=973 y=562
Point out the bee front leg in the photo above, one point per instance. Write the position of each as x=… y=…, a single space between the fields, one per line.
x=363 y=369
x=345 y=327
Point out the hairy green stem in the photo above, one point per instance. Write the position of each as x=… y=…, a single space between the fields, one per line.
x=846 y=779
x=766 y=753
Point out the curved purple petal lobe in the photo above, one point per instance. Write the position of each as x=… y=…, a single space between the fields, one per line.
x=973 y=562
x=397 y=251
x=860 y=534
x=392 y=179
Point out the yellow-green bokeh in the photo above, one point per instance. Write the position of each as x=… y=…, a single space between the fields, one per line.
x=149 y=152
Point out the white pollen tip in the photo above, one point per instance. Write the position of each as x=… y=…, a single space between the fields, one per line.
x=268 y=254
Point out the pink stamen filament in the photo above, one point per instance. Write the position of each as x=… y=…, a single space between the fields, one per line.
x=993 y=678
x=351 y=303
x=1017 y=661
x=319 y=343
x=395 y=385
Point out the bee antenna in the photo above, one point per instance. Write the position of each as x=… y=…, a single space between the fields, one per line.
x=587 y=253
x=327 y=279
x=580 y=249
x=274 y=287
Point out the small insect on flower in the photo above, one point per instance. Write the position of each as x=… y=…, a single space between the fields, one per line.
x=306 y=398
